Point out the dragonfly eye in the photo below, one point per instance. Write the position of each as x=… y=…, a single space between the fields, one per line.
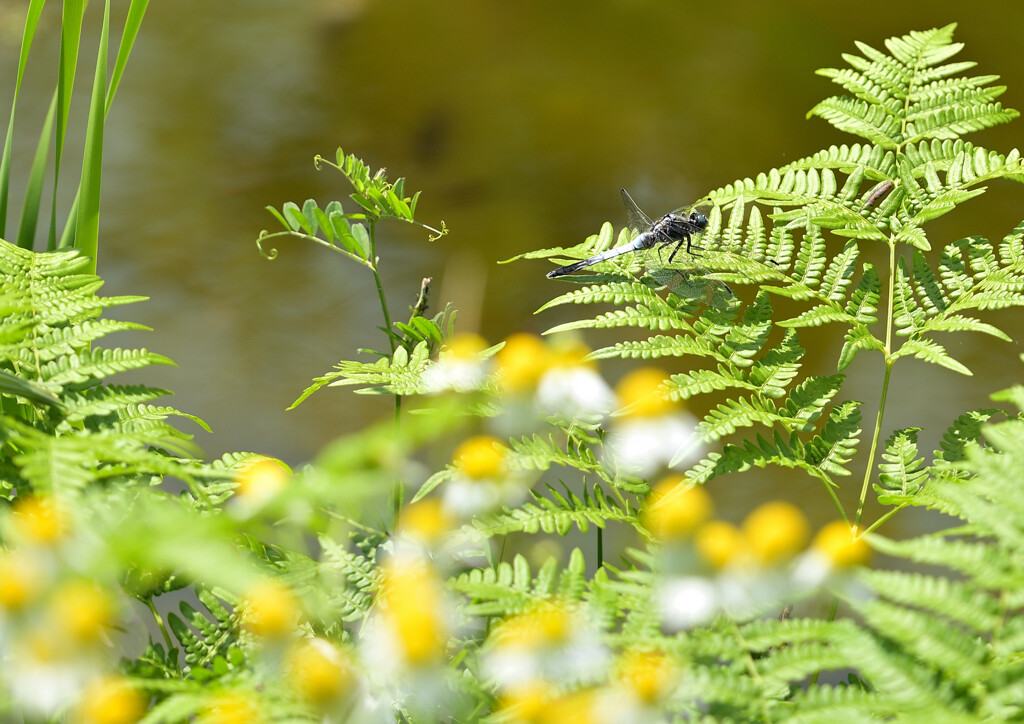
x=699 y=219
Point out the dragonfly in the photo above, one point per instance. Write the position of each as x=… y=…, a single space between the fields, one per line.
x=677 y=227
x=672 y=228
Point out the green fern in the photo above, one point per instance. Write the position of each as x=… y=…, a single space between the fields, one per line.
x=797 y=232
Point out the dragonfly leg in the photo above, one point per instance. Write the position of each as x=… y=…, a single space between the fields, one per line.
x=689 y=247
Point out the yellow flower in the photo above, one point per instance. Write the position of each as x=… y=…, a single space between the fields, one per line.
x=648 y=674
x=465 y=346
x=319 y=671
x=426 y=520
x=481 y=457
x=231 y=707
x=642 y=393
x=570 y=352
x=270 y=609
x=776 y=531
x=111 y=700
x=674 y=510
x=579 y=707
x=82 y=611
x=720 y=543
x=545 y=625
x=526 y=703
x=261 y=481
x=522 y=361
x=414 y=610
x=38 y=520
x=20 y=580
x=836 y=542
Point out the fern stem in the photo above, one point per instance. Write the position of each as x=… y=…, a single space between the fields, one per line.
x=878 y=523
x=600 y=545
x=885 y=385
x=751 y=667
x=160 y=623
x=870 y=466
x=380 y=285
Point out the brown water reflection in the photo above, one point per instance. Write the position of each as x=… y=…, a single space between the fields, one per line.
x=519 y=121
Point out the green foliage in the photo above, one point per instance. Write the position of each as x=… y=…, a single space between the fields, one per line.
x=338 y=593
x=81 y=230
x=797 y=231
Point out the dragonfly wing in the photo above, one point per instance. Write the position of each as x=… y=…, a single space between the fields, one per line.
x=636 y=218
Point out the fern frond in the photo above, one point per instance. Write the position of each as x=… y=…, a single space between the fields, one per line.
x=557 y=513
x=902 y=472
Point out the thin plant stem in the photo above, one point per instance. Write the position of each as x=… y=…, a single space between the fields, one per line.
x=888 y=362
x=159 y=622
x=832 y=612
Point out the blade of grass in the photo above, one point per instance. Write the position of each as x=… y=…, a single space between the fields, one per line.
x=131 y=30
x=31 y=22
x=70 y=40
x=87 y=227
x=34 y=191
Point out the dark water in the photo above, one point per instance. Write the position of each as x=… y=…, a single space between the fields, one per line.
x=519 y=121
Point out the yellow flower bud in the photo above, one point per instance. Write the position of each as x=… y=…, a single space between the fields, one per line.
x=481 y=457
x=526 y=703
x=20 y=580
x=270 y=609
x=465 y=346
x=720 y=544
x=836 y=542
x=82 y=611
x=648 y=674
x=38 y=520
x=231 y=707
x=642 y=393
x=522 y=361
x=776 y=531
x=545 y=625
x=426 y=520
x=675 y=510
x=319 y=671
x=414 y=610
x=111 y=700
x=261 y=481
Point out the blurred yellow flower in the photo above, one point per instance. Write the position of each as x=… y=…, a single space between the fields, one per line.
x=776 y=531
x=642 y=393
x=82 y=611
x=836 y=542
x=231 y=707
x=578 y=707
x=425 y=520
x=465 y=346
x=319 y=671
x=111 y=700
x=522 y=361
x=545 y=625
x=648 y=674
x=21 y=580
x=481 y=457
x=525 y=703
x=674 y=510
x=38 y=520
x=720 y=544
x=413 y=608
x=261 y=481
x=269 y=609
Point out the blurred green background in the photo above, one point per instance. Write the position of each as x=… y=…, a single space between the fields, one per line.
x=518 y=120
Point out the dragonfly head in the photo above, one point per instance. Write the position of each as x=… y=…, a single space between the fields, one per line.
x=698 y=219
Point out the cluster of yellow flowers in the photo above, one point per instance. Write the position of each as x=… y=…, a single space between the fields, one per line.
x=710 y=566
x=55 y=621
